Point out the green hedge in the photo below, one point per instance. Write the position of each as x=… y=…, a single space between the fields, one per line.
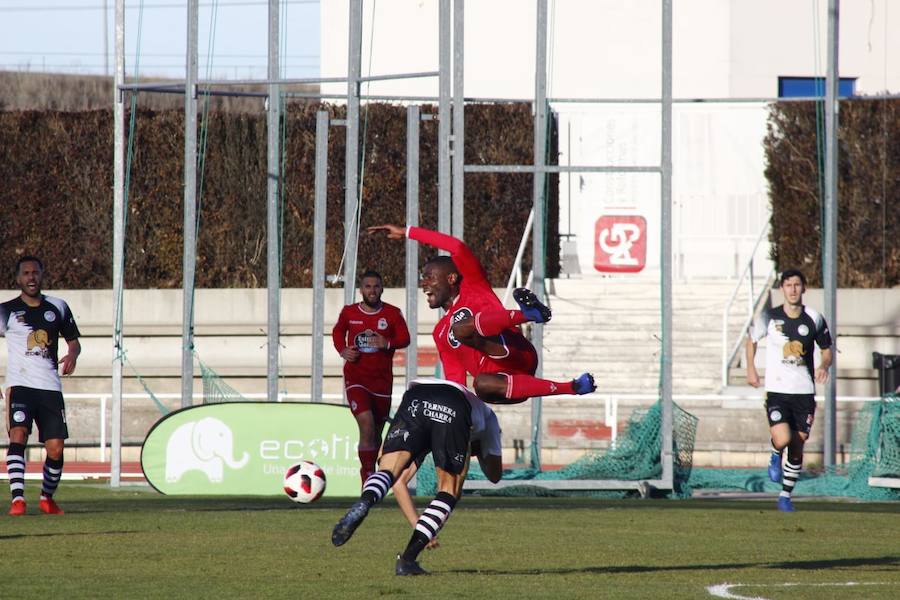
x=868 y=190
x=57 y=195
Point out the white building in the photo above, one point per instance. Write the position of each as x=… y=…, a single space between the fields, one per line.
x=611 y=49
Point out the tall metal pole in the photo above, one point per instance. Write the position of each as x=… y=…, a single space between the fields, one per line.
x=666 y=452
x=273 y=243
x=351 y=173
x=189 y=258
x=105 y=38
x=537 y=235
x=829 y=266
x=459 y=134
x=115 y=467
x=320 y=226
x=412 y=247
x=444 y=124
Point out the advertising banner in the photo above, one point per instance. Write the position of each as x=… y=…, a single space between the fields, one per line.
x=244 y=448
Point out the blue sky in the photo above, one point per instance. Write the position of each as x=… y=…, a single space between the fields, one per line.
x=67 y=36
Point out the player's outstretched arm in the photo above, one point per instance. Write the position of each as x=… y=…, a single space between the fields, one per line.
x=394 y=232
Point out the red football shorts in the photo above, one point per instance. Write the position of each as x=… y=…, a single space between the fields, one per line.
x=361 y=399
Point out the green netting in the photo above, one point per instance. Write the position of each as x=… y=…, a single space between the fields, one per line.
x=634 y=457
x=215 y=389
x=874 y=452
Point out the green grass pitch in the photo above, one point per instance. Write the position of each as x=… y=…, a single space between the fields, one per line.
x=135 y=543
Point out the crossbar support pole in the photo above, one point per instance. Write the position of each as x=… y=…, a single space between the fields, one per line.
x=829 y=266
x=320 y=225
x=351 y=173
x=444 y=124
x=189 y=252
x=666 y=452
x=459 y=112
x=412 y=247
x=115 y=466
x=273 y=234
x=539 y=201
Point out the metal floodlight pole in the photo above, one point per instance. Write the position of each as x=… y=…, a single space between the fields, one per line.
x=412 y=247
x=115 y=467
x=830 y=233
x=444 y=124
x=273 y=254
x=351 y=173
x=666 y=451
x=320 y=225
x=189 y=257
x=537 y=235
x=459 y=119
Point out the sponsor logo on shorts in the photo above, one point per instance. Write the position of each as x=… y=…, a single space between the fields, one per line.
x=459 y=458
x=438 y=412
x=461 y=314
x=413 y=408
x=19 y=416
x=775 y=415
x=394 y=434
x=49 y=316
x=803 y=330
x=353 y=405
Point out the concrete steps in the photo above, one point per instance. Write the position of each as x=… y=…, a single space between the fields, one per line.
x=611 y=326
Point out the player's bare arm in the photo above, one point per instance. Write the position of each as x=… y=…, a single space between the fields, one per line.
x=824 y=365
x=68 y=361
x=394 y=232
x=752 y=375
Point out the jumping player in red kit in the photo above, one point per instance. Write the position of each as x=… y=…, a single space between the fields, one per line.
x=477 y=335
x=366 y=335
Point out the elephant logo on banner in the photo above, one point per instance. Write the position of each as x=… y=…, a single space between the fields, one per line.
x=204 y=445
x=620 y=244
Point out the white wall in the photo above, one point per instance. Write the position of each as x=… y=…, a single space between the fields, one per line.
x=611 y=49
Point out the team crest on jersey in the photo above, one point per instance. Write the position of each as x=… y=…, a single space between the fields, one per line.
x=461 y=314
x=382 y=323
x=49 y=316
x=803 y=330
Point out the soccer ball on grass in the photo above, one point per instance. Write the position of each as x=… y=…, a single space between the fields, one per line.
x=304 y=482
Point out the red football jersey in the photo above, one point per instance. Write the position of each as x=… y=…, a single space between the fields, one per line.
x=373 y=370
x=475 y=295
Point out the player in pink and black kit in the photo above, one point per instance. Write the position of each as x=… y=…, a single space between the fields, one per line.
x=366 y=335
x=477 y=335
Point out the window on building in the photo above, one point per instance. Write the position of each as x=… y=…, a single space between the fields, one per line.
x=813 y=87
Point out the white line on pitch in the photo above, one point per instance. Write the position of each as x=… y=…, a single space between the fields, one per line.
x=723 y=590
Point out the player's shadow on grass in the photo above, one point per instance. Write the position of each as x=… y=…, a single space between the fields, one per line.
x=888 y=561
x=16 y=536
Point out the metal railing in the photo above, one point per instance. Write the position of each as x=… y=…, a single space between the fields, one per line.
x=753 y=300
x=515 y=276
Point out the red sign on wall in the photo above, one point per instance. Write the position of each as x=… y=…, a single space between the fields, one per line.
x=620 y=244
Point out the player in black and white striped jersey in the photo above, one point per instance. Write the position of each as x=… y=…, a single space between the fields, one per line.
x=793 y=331
x=32 y=324
x=433 y=417
x=485 y=443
